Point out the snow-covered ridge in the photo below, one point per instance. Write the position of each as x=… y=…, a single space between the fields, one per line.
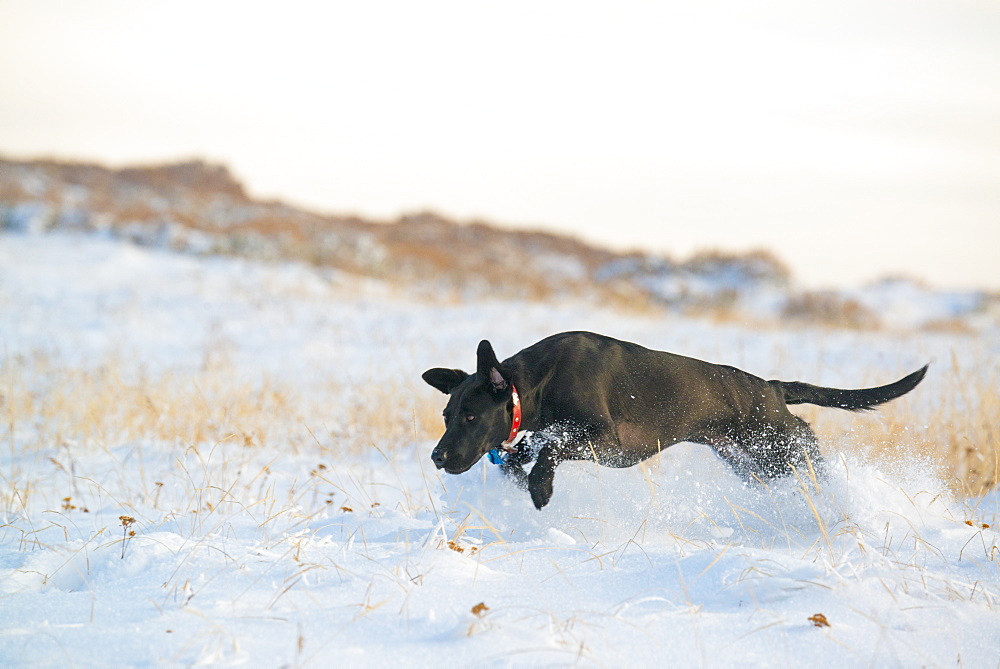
x=200 y=208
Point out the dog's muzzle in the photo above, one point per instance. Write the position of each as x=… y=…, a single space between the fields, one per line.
x=439 y=457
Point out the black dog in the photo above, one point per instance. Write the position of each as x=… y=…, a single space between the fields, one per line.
x=584 y=396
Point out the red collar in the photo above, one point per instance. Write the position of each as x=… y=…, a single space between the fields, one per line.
x=515 y=425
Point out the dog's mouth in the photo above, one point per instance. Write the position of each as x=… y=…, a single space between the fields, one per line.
x=458 y=470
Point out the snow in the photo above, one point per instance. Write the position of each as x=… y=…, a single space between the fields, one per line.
x=305 y=548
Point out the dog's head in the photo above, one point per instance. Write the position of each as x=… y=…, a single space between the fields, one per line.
x=477 y=417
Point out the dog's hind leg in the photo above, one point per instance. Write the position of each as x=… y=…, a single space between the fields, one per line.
x=778 y=449
x=802 y=450
x=770 y=451
x=735 y=456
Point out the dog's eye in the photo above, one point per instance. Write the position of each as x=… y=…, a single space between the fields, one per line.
x=470 y=417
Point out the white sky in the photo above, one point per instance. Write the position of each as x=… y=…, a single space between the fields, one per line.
x=854 y=139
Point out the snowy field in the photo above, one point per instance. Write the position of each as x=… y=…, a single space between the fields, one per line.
x=271 y=501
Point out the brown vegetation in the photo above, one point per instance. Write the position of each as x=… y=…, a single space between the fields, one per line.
x=104 y=407
x=201 y=208
x=830 y=310
x=959 y=433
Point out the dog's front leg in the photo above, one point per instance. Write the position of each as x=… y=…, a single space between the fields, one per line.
x=515 y=470
x=541 y=476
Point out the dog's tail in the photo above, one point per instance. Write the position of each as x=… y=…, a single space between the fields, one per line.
x=851 y=400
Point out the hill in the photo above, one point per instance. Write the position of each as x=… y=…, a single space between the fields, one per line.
x=201 y=208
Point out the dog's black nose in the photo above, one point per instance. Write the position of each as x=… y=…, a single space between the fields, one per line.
x=438 y=457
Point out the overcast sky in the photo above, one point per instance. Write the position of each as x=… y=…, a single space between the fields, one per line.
x=853 y=139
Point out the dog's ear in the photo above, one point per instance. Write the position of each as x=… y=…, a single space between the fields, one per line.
x=444 y=380
x=488 y=368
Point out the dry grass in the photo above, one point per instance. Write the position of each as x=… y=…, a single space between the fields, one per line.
x=961 y=432
x=46 y=405
x=108 y=404
x=219 y=432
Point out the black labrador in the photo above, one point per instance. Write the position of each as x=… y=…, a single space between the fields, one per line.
x=584 y=396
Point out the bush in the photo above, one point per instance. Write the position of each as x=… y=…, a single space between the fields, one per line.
x=828 y=309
